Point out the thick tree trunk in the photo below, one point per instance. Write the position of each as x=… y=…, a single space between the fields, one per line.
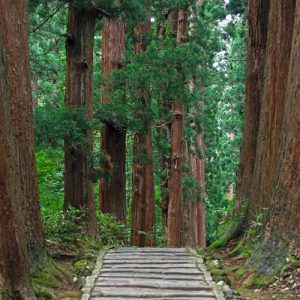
x=113 y=139
x=15 y=42
x=197 y=207
x=165 y=136
x=175 y=218
x=282 y=231
x=143 y=199
x=20 y=223
x=257 y=43
x=281 y=21
x=164 y=154
x=79 y=89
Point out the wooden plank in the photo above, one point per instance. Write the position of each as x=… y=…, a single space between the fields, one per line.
x=151 y=298
x=148 y=292
x=116 y=276
x=149 y=261
x=147 y=271
x=149 y=266
x=159 y=284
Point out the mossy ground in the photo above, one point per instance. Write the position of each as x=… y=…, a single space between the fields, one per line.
x=61 y=275
x=236 y=271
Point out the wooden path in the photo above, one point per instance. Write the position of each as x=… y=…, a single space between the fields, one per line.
x=150 y=273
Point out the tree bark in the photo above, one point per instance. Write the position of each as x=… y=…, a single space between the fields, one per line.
x=20 y=223
x=164 y=154
x=79 y=88
x=143 y=199
x=282 y=231
x=175 y=218
x=113 y=139
x=165 y=136
x=256 y=60
x=281 y=21
x=15 y=42
x=197 y=206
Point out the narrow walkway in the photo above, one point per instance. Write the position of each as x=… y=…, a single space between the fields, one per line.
x=150 y=273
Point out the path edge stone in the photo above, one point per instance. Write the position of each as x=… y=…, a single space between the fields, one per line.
x=201 y=266
x=90 y=280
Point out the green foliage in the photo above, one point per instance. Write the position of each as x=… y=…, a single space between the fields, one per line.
x=213 y=59
x=112 y=233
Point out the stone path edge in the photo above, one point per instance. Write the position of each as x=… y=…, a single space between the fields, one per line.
x=202 y=267
x=90 y=280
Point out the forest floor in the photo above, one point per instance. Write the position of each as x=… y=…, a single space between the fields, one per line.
x=63 y=275
x=233 y=271
x=65 y=280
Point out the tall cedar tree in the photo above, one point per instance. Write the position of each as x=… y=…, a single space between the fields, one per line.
x=274 y=190
x=79 y=87
x=281 y=22
x=283 y=226
x=175 y=214
x=15 y=41
x=165 y=134
x=195 y=208
x=197 y=234
x=256 y=53
x=143 y=200
x=113 y=138
x=21 y=235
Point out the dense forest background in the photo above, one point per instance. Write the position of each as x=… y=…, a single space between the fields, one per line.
x=219 y=36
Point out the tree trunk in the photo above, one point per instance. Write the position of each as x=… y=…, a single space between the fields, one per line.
x=257 y=43
x=20 y=222
x=175 y=218
x=15 y=42
x=197 y=207
x=281 y=21
x=164 y=134
x=113 y=139
x=143 y=199
x=164 y=154
x=282 y=231
x=79 y=88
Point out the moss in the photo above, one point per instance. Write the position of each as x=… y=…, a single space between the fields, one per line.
x=3 y=294
x=248 y=294
x=241 y=249
x=240 y=272
x=220 y=242
x=45 y=279
x=47 y=276
x=42 y=292
x=259 y=281
x=217 y=272
x=70 y=295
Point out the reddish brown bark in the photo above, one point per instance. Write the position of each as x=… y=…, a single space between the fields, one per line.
x=175 y=217
x=282 y=231
x=15 y=42
x=257 y=43
x=197 y=206
x=20 y=223
x=164 y=154
x=143 y=200
x=281 y=21
x=165 y=135
x=79 y=87
x=113 y=138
